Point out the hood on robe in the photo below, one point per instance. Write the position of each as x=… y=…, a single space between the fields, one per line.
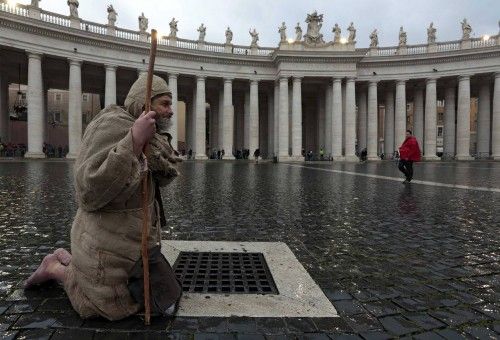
x=136 y=96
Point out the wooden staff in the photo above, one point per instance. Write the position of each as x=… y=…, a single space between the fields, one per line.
x=145 y=189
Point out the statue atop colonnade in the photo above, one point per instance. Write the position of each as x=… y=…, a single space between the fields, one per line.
x=431 y=34
x=314 y=24
x=111 y=15
x=143 y=23
x=73 y=8
x=466 y=29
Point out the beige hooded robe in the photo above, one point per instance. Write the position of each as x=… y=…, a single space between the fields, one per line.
x=106 y=232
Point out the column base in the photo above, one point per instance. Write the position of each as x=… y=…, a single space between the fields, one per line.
x=464 y=158
x=338 y=158
x=296 y=159
x=373 y=158
x=34 y=155
x=285 y=158
x=71 y=156
x=351 y=158
x=228 y=158
x=200 y=157
x=431 y=158
x=495 y=157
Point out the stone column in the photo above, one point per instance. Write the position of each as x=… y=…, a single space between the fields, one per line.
x=172 y=83
x=320 y=118
x=483 y=121
x=188 y=122
x=4 y=109
x=325 y=122
x=110 y=92
x=270 y=125
x=200 y=123
x=463 y=119
x=228 y=119
x=389 y=146
x=495 y=128
x=362 y=120
x=430 y=123
x=283 y=120
x=372 y=121
x=276 y=115
x=220 y=121
x=254 y=116
x=337 y=119
x=75 y=108
x=35 y=107
x=297 y=119
x=400 y=114
x=449 y=123
x=246 y=120
x=418 y=115
x=350 y=120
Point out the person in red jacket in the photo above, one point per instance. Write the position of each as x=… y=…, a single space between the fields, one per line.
x=409 y=152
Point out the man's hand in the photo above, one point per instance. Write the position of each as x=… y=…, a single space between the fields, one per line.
x=143 y=130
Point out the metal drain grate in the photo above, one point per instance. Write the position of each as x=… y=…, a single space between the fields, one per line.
x=229 y=273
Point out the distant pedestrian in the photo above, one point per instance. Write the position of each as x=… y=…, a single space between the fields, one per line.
x=409 y=152
x=222 y=153
x=256 y=154
x=363 y=155
x=190 y=154
x=321 y=153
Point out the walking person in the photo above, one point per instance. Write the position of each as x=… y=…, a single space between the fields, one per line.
x=256 y=154
x=409 y=152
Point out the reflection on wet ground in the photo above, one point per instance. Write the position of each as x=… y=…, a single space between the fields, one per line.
x=393 y=259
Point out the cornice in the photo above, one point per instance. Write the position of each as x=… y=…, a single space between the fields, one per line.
x=431 y=58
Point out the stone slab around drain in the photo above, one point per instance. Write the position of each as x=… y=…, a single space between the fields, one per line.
x=299 y=295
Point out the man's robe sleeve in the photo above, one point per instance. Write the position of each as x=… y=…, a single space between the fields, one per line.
x=107 y=168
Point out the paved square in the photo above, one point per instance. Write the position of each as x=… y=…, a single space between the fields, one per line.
x=419 y=260
x=299 y=295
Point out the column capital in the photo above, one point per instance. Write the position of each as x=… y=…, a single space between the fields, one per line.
x=75 y=62
x=297 y=79
x=401 y=81
x=372 y=82
x=337 y=79
x=283 y=78
x=173 y=75
x=200 y=77
x=254 y=81
x=110 y=67
x=228 y=80
x=497 y=75
x=350 y=79
x=431 y=80
x=463 y=77
x=34 y=55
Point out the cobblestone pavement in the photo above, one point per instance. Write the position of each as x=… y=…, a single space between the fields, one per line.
x=409 y=261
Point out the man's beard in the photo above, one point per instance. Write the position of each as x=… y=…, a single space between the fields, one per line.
x=164 y=124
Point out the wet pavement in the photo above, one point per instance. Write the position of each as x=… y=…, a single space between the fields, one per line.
x=395 y=260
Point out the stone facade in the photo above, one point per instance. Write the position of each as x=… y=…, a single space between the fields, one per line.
x=300 y=96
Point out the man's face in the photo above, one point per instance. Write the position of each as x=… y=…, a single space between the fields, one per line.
x=163 y=106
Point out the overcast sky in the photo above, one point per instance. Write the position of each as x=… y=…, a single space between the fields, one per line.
x=266 y=15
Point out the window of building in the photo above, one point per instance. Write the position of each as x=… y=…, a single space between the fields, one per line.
x=440 y=131
x=57 y=97
x=85 y=97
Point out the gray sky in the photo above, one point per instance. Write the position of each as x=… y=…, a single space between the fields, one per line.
x=266 y=15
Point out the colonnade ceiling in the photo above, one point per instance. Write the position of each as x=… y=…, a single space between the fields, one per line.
x=10 y=60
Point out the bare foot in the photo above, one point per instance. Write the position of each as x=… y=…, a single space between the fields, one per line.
x=63 y=256
x=45 y=271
